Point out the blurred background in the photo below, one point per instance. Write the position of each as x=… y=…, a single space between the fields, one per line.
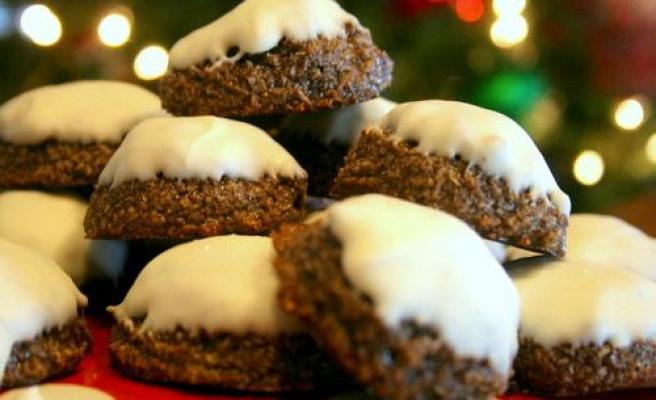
x=580 y=75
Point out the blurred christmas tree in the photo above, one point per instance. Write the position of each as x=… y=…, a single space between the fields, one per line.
x=577 y=73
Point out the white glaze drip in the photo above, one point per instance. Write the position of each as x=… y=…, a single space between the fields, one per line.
x=220 y=284
x=198 y=147
x=53 y=224
x=482 y=137
x=82 y=112
x=35 y=295
x=421 y=264
x=257 y=26
x=577 y=302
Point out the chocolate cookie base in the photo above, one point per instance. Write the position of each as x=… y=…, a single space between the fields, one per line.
x=321 y=160
x=378 y=165
x=239 y=362
x=407 y=363
x=566 y=370
x=55 y=352
x=293 y=77
x=52 y=165
x=187 y=209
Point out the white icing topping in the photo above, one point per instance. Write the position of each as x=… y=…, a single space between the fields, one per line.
x=257 y=26
x=483 y=137
x=35 y=295
x=220 y=284
x=198 y=147
x=53 y=224
x=604 y=239
x=56 y=391
x=341 y=126
x=577 y=302
x=84 y=111
x=497 y=249
x=421 y=264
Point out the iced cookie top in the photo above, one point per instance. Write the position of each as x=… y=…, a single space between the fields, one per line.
x=604 y=239
x=220 y=284
x=608 y=240
x=577 y=302
x=78 y=112
x=420 y=264
x=53 y=224
x=486 y=138
x=198 y=147
x=341 y=126
x=56 y=391
x=35 y=295
x=257 y=26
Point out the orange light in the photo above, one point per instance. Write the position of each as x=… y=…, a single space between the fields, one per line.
x=470 y=10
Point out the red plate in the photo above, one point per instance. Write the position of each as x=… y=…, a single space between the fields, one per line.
x=95 y=371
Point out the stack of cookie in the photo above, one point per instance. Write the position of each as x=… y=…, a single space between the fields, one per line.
x=391 y=287
x=198 y=174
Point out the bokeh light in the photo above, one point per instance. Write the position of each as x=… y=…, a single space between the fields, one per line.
x=589 y=168
x=40 y=25
x=509 y=31
x=629 y=114
x=114 y=30
x=650 y=148
x=470 y=10
x=508 y=7
x=151 y=63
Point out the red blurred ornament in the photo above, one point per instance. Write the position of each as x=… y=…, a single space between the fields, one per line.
x=469 y=10
x=620 y=36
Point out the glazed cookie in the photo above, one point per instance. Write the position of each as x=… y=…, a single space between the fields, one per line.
x=320 y=141
x=474 y=163
x=604 y=239
x=187 y=178
x=53 y=224
x=230 y=333
x=42 y=333
x=272 y=58
x=585 y=328
x=406 y=298
x=63 y=135
x=56 y=391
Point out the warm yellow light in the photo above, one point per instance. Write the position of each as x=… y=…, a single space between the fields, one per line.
x=589 y=168
x=151 y=63
x=509 y=31
x=41 y=25
x=650 y=149
x=629 y=114
x=508 y=7
x=114 y=30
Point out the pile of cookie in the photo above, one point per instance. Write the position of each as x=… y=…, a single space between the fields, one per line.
x=392 y=286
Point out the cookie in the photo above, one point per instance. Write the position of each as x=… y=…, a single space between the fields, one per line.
x=228 y=333
x=604 y=239
x=407 y=299
x=474 y=163
x=585 y=328
x=62 y=136
x=56 y=391
x=273 y=58
x=42 y=332
x=187 y=178
x=52 y=224
x=320 y=141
